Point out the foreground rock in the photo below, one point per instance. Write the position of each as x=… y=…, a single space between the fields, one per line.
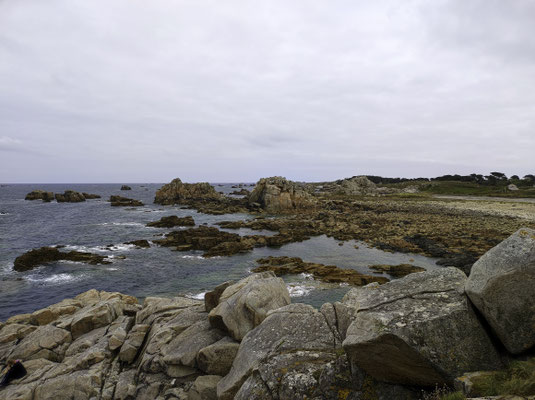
x=172 y=221
x=44 y=255
x=501 y=287
x=327 y=273
x=40 y=195
x=119 y=201
x=420 y=330
x=70 y=196
x=277 y=194
x=177 y=192
x=245 y=305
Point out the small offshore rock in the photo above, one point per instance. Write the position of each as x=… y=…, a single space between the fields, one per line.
x=70 y=196
x=119 y=201
x=40 y=195
x=126 y=187
x=142 y=243
x=44 y=255
x=172 y=221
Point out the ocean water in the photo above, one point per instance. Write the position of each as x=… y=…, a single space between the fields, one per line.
x=158 y=271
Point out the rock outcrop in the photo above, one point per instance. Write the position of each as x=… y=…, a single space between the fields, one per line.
x=327 y=273
x=172 y=221
x=420 y=330
x=40 y=195
x=381 y=342
x=70 y=196
x=44 y=255
x=244 y=305
x=177 y=192
x=119 y=201
x=501 y=287
x=277 y=194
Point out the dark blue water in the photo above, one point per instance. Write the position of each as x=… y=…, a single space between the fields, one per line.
x=91 y=225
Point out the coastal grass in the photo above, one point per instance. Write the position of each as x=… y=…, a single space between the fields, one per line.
x=517 y=379
x=457 y=188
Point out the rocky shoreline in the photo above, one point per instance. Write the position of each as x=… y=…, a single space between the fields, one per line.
x=247 y=341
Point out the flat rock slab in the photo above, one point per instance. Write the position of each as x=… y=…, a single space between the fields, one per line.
x=502 y=287
x=419 y=330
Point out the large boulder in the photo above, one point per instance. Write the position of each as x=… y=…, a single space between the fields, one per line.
x=502 y=286
x=277 y=194
x=357 y=185
x=177 y=192
x=244 y=305
x=40 y=195
x=420 y=330
x=289 y=348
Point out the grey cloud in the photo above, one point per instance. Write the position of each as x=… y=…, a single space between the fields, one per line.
x=235 y=91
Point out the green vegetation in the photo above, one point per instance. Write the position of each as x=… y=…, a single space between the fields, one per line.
x=443 y=393
x=475 y=189
x=518 y=379
x=454 y=396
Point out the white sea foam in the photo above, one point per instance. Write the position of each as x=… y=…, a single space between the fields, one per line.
x=198 y=296
x=4 y=213
x=306 y=276
x=57 y=278
x=299 y=290
x=102 y=249
x=121 y=224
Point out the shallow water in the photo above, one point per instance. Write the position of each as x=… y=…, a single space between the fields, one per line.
x=94 y=224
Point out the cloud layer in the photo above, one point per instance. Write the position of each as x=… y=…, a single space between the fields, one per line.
x=126 y=90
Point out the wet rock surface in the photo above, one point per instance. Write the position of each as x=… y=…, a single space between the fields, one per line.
x=397 y=271
x=119 y=201
x=172 y=221
x=327 y=273
x=44 y=255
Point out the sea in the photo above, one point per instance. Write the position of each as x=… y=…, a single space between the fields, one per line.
x=93 y=225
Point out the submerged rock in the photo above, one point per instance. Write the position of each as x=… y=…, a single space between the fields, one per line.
x=327 y=273
x=501 y=287
x=70 y=196
x=142 y=243
x=277 y=194
x=176 y=192
x=171 y=221
x=119 y=201
x=44 y=255
x=40 y=195
x=420 y=330
x=397 y=271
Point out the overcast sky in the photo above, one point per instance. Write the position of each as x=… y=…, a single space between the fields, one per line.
x=145 y=91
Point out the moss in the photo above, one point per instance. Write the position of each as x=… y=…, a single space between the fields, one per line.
x=518 y=379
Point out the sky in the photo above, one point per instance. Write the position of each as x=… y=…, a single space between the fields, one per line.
x=230 y=91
